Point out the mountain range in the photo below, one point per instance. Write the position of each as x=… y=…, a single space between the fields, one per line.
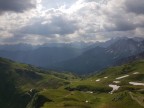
x=99 y=58
x=80 y=58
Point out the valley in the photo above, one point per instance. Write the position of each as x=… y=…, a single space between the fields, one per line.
x=120 y=87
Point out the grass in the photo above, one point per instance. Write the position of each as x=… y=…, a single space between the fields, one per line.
x=77 y=99
x=16 y=80
x=65 y=90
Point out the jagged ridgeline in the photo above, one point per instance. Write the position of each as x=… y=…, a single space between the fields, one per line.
x=80 y=60
x=24 y=86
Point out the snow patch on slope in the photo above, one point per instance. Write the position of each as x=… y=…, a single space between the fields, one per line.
x=135 y=83
x=122 y=77
x=115 y=88
x=98 y=80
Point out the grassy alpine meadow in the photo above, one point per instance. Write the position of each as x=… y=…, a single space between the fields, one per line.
x=94 y=91
x=115 y=87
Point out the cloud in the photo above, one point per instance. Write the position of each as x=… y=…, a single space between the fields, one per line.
x=119 y=23
x=135 y=6
x=16 y=5
x=55 y=24
x=122 y=17
x=57 y=3
x=70 y=21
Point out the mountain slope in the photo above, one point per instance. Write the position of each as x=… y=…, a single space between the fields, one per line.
x=92 y=60
x=19 y=82
x=100 y=58
x=98 y=91
x=131 y=58
x=24 y=86
x=42 y=56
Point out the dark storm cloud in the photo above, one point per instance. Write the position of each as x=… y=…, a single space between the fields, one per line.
x=124 y=26
x=120 y=25
x=118 y=22
x=135 y=6
x=71 y=20
x=57 y=25
x=120 y=18
x=16 y=5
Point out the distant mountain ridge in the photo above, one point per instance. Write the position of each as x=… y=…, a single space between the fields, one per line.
x=41 y=56
x=99 y=58
x=81 y=58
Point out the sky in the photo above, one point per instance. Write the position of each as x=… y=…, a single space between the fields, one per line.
x=65 y=21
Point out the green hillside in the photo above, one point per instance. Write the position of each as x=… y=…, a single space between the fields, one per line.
x=24 y=86
x=20 y=82
x=94 y=91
